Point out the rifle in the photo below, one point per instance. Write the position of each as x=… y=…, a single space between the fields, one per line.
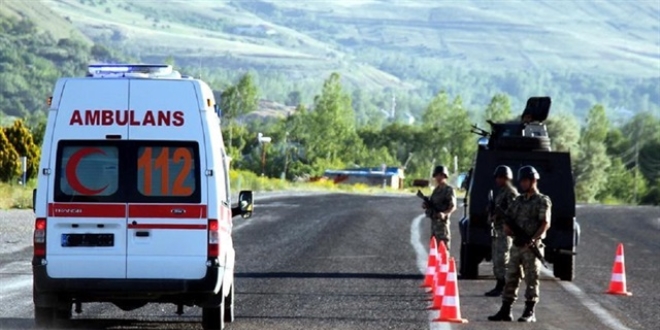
x=429 y=204
x=521 y=238
x=426 y=200
x=491 y=204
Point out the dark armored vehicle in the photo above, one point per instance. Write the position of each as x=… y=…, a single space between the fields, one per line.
x=516 y=144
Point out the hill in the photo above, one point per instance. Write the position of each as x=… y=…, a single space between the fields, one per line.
x=44 y=18
x=579 y=52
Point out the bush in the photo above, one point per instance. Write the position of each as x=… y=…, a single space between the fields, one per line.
x=9 y=161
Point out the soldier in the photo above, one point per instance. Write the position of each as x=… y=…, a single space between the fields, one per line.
x=501 y=243
x=444 y=202
x=531 y=212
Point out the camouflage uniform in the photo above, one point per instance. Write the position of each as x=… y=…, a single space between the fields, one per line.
x=501 y=243
x=443 y=198
x=528 y=213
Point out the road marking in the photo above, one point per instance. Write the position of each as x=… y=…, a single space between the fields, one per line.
x=422 y=255
x=601 y=313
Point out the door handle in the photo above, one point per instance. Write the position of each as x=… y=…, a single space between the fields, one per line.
x=142 y=233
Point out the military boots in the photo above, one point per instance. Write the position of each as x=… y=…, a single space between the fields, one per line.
x=504 y=314
x=499 y=287
x=528 y=314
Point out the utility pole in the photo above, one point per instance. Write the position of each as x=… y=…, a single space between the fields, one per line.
x=635 y=170
x=286 y=155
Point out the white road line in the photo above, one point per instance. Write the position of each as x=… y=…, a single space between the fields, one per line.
x=422 y=255
x=601 y=313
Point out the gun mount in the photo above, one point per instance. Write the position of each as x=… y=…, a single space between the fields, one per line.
x=528 y=134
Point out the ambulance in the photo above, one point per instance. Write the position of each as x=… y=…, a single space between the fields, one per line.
x=133 y=204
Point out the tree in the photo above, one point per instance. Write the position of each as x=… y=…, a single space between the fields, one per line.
x=619 y=181
x=20 y=137
x=9 y=162
x=499 y=109
x=293 y=99
x=238 y=100
x=332 y=138
x=592 y=164
x=564 y=132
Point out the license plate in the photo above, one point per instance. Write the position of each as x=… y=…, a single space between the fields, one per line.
x=87 y=240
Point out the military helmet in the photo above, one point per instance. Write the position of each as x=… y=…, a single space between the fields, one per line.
x=528 y=172
x=503 y=171
x=441 y=170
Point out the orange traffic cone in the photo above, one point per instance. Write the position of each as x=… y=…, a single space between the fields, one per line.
x=618 y=280
x=451 y=306
x=442 y=258
x=440 y=281
x=430 y=266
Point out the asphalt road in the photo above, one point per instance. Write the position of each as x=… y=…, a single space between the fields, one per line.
x=353 y=262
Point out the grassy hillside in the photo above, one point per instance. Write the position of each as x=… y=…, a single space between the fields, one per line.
x=584 y=36
x=45 y=18
x=579 y=52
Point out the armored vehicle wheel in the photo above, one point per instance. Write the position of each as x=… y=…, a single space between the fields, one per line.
x=564 y=267
x=526 y=143
x=470 y=259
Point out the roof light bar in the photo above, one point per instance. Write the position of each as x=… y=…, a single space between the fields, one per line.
x=110 y=69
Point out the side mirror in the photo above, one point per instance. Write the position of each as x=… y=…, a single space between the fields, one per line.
x=246 y=203
x=34 y=200
x=217 y=109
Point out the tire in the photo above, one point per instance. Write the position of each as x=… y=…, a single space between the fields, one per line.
x=213 y=318
x=538 y=143
x=564 y=267
x=470 y=259
x=229 y=306
x=44 y=317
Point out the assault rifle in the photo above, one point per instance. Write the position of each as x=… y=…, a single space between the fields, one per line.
x=426 y=200
x=520 y=237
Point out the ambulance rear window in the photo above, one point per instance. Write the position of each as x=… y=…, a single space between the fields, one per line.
x=128 y=172
x=166 y=171
x=88 y=172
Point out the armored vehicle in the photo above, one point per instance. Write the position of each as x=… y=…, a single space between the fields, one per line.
x=515 y=144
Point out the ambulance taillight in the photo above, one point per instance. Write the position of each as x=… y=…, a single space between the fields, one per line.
x=214 y=238
x=40 y=237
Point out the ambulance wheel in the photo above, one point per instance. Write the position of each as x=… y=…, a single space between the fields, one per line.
x=229 y=306
x=213 y=318
x=44 y=317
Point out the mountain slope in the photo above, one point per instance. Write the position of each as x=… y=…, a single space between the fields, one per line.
x=46 y=19
x=579 y=52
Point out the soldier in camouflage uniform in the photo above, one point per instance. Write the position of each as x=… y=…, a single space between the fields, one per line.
x=531 y=212
x=501 y=243
x=444 y=202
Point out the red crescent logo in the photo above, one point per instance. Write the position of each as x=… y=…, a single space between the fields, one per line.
x=72 y=166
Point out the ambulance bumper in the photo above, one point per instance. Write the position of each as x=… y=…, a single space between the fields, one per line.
x=98 y=287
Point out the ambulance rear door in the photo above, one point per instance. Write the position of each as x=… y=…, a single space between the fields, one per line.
x=167 y=213
x=86 y=216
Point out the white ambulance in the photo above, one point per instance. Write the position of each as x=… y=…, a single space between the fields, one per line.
x=133 y=202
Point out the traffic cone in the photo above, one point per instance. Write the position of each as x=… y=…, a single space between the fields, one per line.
x=442 y=257
x=451 y=306
x=618 y=280
x=430 y=266
x=440 y=281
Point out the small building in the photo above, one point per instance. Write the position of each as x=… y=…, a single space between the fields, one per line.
x=391 y=177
